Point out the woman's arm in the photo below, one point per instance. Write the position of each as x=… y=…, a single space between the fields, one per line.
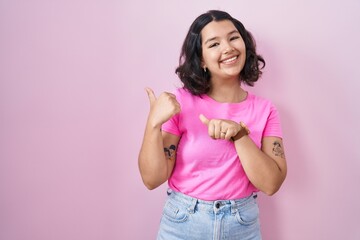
x=157 y=154
x=266 y=167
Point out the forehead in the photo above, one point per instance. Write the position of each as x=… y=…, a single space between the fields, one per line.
x=216 y=29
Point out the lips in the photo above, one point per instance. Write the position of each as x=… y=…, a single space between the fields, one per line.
x=229 y=60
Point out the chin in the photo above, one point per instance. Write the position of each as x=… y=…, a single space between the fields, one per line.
x=232 y=73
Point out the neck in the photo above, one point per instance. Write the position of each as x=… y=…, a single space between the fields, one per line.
x=230 y=92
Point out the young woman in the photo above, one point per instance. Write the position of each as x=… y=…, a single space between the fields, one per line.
x=216 y=144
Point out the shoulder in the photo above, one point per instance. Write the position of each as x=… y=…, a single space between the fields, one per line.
x=181 y=92
x=183 y=95
x=261 y=102
x=256 y=98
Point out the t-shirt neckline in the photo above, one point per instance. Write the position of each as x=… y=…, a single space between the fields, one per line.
x=210 y=99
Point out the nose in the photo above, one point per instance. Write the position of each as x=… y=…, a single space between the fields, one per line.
x=228 y=48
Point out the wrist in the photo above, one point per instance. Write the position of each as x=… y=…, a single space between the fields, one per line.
x=241 y=133
x=154 y=124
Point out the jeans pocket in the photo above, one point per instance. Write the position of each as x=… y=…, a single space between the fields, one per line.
x=248 y=214
x=175 y=213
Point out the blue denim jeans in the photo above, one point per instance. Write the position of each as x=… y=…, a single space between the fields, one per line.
x=188 y=218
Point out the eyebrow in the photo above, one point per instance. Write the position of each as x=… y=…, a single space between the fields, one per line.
x=213 y=38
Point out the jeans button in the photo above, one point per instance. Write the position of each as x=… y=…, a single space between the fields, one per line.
x=217 y=205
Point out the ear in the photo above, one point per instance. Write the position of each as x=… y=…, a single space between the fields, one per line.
x=203 y=65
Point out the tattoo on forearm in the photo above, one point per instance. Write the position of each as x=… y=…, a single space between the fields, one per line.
x=278 y=149
x=170 y=152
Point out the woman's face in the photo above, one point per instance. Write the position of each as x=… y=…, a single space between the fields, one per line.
x=223 y=48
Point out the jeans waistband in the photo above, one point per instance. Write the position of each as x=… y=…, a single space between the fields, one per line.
x=216 y=205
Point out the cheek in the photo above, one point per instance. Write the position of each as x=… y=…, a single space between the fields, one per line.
x=209 y=58
x=243 y=53
x=241 y=46
x=243 y=56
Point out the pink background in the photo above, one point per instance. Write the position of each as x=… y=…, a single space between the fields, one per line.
x=73 y=110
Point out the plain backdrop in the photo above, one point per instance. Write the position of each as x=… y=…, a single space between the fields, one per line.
x=73 y=110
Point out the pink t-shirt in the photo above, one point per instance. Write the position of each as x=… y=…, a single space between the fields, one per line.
x=210 y=169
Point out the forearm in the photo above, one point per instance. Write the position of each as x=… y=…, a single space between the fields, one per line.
x=154 y=167
x=263 y=171
x=152 y=161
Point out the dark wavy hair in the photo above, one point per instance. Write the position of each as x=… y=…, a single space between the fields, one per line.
x=190 y=71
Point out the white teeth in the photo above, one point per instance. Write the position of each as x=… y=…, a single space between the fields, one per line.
x=230 y=59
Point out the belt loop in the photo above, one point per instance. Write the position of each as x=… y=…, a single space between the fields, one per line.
x=192 y=206
x=233 y=207
x=169 y=191
x=254 y=195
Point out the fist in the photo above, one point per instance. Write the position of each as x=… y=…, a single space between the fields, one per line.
x=220 y=128
x=162 y=108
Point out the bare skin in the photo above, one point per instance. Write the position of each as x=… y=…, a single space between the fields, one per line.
x=156 y=162
x=224 y=56
x=265 y=167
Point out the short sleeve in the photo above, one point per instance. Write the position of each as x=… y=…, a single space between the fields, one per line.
x=172 y=125
x=273 y=126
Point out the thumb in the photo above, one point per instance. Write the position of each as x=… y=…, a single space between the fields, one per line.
x=150 y=94
x=203 y=119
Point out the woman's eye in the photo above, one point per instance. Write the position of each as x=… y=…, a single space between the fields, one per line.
x=213 y=45
x=234 y=38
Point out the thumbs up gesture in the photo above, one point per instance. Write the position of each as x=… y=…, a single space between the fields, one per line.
x=162 y=108
x=220 y=128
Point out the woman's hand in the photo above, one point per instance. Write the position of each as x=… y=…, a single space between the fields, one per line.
x=162 y=108
x=221 y=128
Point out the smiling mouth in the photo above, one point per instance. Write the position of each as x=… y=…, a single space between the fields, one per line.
x=229 y=60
